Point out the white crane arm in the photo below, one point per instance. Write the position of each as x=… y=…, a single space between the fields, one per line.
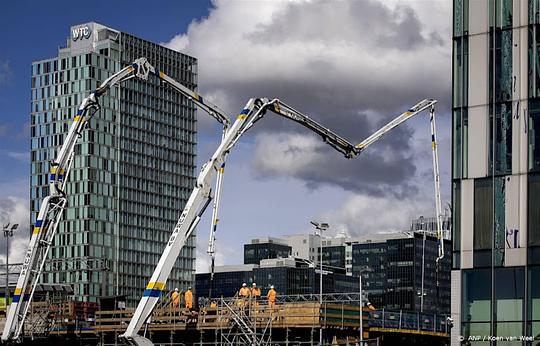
x=54 y=204
x=437 y=183
x=419 y=107
x=198 y=202
x=333 y=139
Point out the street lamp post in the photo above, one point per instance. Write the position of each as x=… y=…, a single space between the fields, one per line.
x=321 y=227
x=8 y=233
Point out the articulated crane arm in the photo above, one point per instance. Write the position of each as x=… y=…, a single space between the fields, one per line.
x=426 y=104
x=201 y=196
x=54 y=204
x=200 y=199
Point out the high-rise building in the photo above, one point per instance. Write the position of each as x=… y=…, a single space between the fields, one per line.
x=496 y=170
x=133 y=168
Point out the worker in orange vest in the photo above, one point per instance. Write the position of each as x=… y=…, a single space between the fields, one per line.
x=271 y=297
x=175 y=299
x=244 y=291
x=244 y=294
x=255 y=293
x=188 y=298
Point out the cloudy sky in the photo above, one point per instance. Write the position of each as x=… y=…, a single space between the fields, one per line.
x=351 y=65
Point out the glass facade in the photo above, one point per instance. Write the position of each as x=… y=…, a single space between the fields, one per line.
x=394 y=276
x=133 y=167
x=286 y=280
x=495 y=216
x=334 y=256
x=254 y=253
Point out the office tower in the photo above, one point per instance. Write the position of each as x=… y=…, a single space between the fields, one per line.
x=496 y=160
x=133 y=168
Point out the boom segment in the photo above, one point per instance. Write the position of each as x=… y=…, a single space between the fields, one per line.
x=201 y=196
x=54 y=204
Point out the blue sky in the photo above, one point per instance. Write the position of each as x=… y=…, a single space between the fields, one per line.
x=34 y=30
x=352 y=66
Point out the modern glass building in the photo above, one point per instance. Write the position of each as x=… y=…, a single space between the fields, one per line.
x=496 y=171
x=288 y=276
x=133 y=168
x=399 y=268
x=255 y=252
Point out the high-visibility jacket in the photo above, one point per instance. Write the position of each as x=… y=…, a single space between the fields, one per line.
x=189 y=299
x=255 y=292
x=272 y=295
x=244 y=292
x=175 y=299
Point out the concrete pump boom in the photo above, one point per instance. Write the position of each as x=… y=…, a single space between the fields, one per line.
x=54 y=204
x=201 y=196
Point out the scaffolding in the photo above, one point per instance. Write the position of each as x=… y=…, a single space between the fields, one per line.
x=293 y=320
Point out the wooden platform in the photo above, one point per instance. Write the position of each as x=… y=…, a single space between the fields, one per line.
x=286 y=315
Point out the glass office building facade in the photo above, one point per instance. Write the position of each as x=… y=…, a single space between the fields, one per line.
x=394 y=277
x=496 y=171
x=254 y=253
x=287 y=280
x=133 y=168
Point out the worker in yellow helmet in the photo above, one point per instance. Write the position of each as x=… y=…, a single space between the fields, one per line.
x=175 y=297
x=188 y=298
x=244 y=291
x=255 y=293
x=272 y=294
x=244 y=294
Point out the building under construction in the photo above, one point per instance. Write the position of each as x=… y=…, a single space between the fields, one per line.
x=293 y=320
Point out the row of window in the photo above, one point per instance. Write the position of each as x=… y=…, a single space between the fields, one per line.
x=489 y=219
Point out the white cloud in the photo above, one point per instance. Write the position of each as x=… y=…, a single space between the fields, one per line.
x=340 y=51
x=363 y=214
x=15 y=210
x=286 y=153
x=6 y=73
x=21 y=156
x=203 y=259
x=351 y=65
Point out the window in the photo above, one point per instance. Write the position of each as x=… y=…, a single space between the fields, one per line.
x=534 y=135
x=533 y=215
x=500 y=158
x=483 y=222
x=476 y=295
x=509 y=296
x=461 y=17
x=483 y=213
x=456 y=224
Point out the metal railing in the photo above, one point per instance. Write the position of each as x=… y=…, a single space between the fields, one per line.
x=246 y=321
